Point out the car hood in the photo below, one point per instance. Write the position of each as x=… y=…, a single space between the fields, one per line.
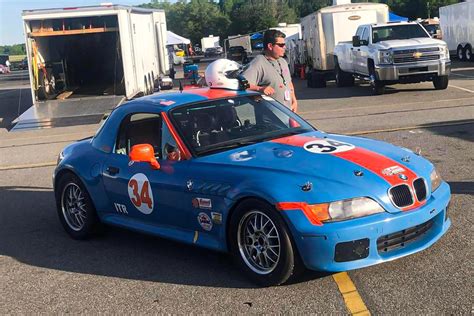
x=334 y=161
x=410 y=43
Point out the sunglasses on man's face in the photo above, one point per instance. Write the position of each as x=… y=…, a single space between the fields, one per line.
x=280 y=44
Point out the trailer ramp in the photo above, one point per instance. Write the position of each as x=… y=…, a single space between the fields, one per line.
x=57 y=113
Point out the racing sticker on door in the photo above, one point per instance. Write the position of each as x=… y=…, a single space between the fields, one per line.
x=139 y=191
x=327 y=146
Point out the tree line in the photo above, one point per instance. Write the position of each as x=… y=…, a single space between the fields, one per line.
x=195 y=19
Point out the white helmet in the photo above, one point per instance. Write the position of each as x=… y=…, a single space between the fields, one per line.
x=225 y=74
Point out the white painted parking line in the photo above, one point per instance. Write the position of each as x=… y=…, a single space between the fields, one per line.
x=461 y=88
x=460 y=75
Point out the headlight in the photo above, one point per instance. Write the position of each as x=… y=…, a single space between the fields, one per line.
x=386 y=57
x=435 y=180
x=60 y=158
x=444 y=52
x=346 y=209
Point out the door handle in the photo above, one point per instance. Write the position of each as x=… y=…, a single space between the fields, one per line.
x=358 y=50
x=112 y=170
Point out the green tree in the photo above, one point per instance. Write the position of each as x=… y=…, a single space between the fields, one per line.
x=253 y=16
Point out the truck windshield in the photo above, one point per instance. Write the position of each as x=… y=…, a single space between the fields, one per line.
x=397 y=32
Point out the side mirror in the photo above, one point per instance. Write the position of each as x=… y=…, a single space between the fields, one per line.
x=144 y=153
x=356 y=41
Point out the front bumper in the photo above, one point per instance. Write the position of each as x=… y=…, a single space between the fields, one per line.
x=358 y=243
x=420 y=70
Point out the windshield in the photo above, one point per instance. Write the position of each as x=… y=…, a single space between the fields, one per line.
x=219 y=125
x=397 y=32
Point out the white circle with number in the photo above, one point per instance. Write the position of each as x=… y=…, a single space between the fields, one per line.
x=140 y=193
x=327 y=146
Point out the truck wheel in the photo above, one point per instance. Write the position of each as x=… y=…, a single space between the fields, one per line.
x=343 y=79
x=318 y=80
x=261 y=244
x=468 y=53
x=460 y=52
x=377 y=87
x=309 y=80
x=440 y=82
x=47 y=85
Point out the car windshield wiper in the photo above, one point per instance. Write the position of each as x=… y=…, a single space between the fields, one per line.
x=228 y=146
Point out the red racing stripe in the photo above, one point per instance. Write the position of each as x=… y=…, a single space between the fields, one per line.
x=213 y=93
x=367 y=159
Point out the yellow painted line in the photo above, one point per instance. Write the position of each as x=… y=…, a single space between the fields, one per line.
x=395 y=129
x=354 y=302
x=32 y=165
x=196 y=235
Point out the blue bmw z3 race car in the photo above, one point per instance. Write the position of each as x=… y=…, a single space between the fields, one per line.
x=238 y=172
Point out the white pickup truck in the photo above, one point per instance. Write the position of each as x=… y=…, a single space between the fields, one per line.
x=392 y=53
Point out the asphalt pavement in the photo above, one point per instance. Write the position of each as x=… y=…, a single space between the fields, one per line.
x=42 y=270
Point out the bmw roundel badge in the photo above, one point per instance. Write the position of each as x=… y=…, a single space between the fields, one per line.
x=403 y=177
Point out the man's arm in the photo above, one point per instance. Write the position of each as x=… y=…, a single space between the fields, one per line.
x=294 y=102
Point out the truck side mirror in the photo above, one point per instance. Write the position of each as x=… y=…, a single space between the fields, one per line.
x=356 y=41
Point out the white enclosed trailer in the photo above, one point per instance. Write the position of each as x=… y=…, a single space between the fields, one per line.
x=457 y=27
x=209 y=41
x=91 y=53
x=323 y=29
x=239 y=40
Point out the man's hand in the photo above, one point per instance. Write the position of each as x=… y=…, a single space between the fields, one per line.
x=267 y=90
x=294 y=105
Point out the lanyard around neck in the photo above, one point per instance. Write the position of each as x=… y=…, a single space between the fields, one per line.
x=279 y=72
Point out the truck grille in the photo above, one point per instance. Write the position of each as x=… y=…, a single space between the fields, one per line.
x=402 y=195
x=415 y=55
x=399 y=239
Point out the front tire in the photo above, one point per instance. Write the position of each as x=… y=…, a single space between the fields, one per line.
x=75 y=208
x=377 y=87
x=440 y=82
x=260 y=243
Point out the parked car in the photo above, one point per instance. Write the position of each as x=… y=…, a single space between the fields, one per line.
x=4 y=69
x=23 y=64
x=236 y=171
x=212 y=52
x=238 y=54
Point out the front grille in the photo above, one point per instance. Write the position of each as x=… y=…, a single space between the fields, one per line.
x=401 y=195
x=420 y=189
x=401 y=238
x=408 y=55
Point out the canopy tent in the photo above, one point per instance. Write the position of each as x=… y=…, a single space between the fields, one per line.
x=174 y=39
x=392 y=17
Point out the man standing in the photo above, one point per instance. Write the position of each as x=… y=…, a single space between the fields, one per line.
x=269 y=73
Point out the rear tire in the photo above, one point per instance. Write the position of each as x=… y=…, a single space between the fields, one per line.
x=343 y=79
x=460 y=52
x=468 y=53
x=440 y=82
x=261 y=244
x=319 y=81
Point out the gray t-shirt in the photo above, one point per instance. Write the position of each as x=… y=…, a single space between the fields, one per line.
x=270 y=72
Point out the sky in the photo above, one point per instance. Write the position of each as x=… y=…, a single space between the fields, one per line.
x=11 y=24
